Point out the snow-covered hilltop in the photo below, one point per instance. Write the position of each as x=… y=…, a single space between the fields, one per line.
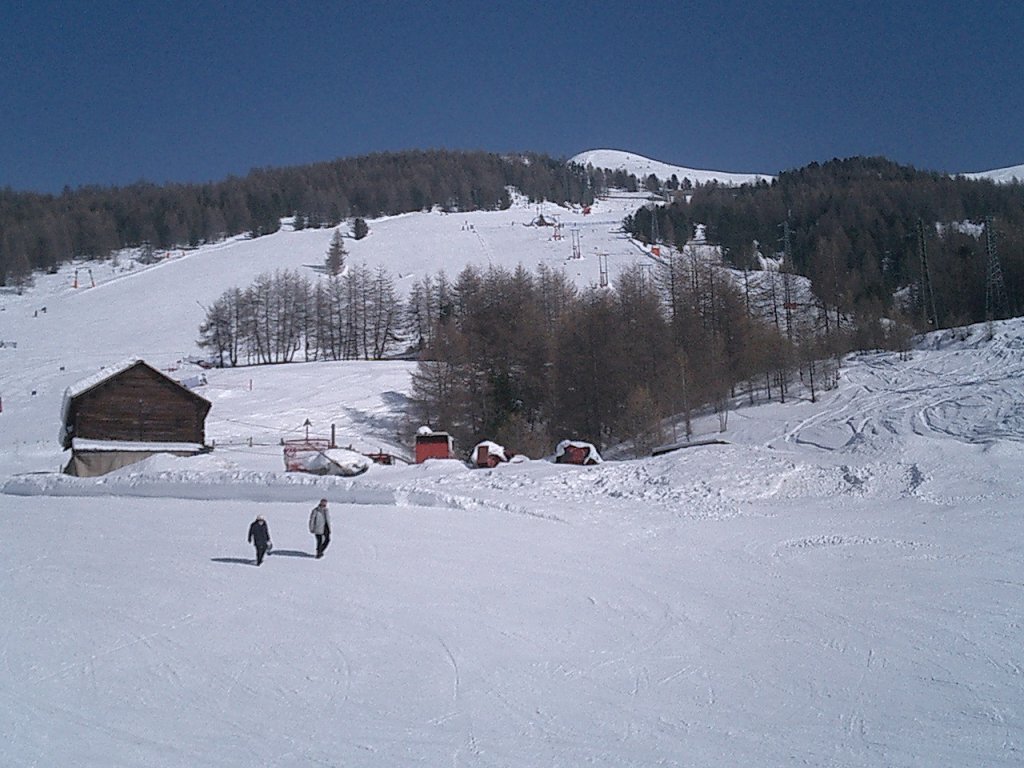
x=1013 y=174
x=642 y=167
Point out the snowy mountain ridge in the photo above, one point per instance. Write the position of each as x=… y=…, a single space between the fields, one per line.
x=642 y=167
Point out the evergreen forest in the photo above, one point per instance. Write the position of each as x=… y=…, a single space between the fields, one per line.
x=862 y=229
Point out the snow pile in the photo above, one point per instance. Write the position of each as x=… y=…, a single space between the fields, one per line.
x=338 y=461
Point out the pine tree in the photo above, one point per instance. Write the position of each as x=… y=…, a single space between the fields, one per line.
x=336 y=253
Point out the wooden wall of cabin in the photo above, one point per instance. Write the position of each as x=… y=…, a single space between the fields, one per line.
x=139 y=405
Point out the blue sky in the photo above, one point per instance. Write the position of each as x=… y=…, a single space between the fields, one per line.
x=115 y=92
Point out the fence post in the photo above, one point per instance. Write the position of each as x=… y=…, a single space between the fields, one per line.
x=333 y=444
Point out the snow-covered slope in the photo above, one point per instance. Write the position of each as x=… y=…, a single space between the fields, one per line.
x=838 y=583
x=1014 y=174
x=642 y=167
x=94 y=314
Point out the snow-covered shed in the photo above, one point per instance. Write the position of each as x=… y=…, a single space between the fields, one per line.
x=128 y=412
x=577 y=452
x=489 y=454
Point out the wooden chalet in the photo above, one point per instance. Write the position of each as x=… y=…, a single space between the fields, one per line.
x=126 y=413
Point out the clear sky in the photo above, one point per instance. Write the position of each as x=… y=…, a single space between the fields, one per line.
x=95 y=92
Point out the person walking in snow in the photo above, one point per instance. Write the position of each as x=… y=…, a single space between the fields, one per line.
x=259 y=536
x=320 y=526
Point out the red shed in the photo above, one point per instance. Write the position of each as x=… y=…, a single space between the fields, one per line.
x=433 y=445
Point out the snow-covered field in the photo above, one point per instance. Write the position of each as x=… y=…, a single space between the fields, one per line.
x=841 y=584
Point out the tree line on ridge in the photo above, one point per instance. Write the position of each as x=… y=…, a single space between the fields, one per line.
x=40 y=232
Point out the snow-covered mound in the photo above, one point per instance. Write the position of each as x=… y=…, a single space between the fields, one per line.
x=642 y=167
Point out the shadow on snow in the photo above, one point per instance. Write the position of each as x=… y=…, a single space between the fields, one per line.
x=252 y=561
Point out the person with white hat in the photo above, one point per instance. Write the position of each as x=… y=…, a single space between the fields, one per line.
x=259 y=536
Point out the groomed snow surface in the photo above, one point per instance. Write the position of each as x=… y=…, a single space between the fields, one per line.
x=839 y=584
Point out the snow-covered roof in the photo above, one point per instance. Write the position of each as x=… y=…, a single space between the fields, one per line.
x=493 y=449
x=104 y=373
x=560 y=450
x=80 y=444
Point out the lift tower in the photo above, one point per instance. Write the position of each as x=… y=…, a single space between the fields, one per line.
x=995 y=289
x=931 y=318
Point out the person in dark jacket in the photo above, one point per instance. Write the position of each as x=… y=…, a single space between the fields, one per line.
x=320 y=526
x=259 y=536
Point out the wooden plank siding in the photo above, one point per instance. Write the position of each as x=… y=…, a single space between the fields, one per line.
x=139 y=405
